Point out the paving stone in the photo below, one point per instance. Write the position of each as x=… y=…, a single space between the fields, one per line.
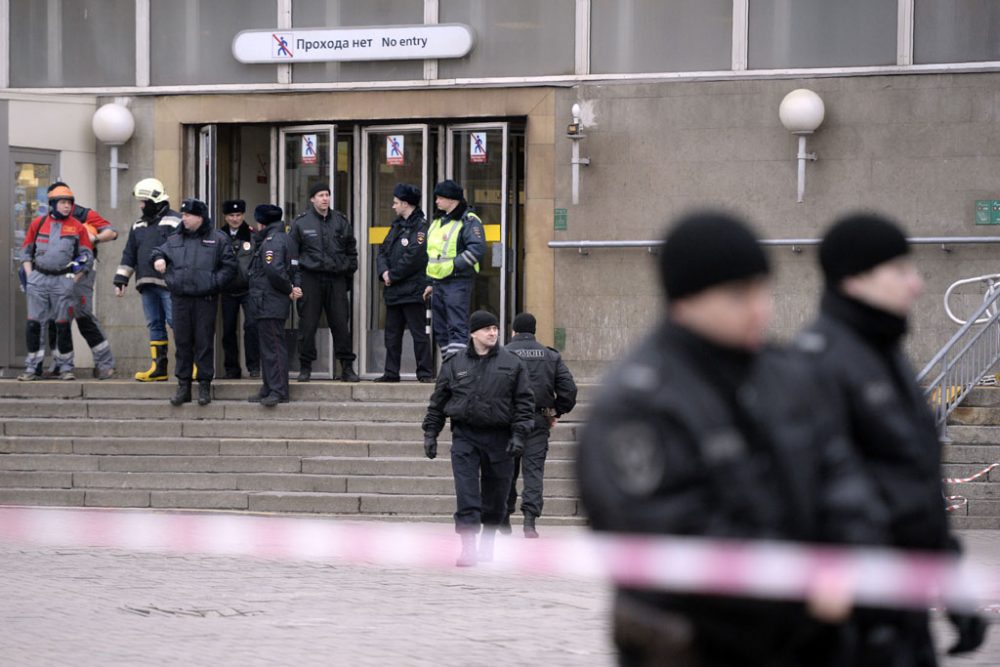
x=199 y=464
x=156 y=480
x=116 y=498
x=56 y=497
x=26 y=445
x=236 y=500
x=47 y=462
x=27 y=480
x=153 y=446
x=323 y=503
x=293 y=482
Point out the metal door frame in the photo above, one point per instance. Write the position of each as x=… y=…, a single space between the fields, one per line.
x=361 y=306
x=279 y=163
x=207 y=165
x=450 y=173
x=8 y=351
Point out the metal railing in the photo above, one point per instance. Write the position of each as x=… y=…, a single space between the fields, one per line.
x=583 y=247
x=966 y=358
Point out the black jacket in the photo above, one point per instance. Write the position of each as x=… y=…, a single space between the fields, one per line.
x=890 y=422
x=243 y=250
x=324 y=244
x=551 y=382
x=403 y=254
x=199 y=263
x=143 y=238
x=687 y=438
x=271 y=274
x=471 y=247
x=491 y=393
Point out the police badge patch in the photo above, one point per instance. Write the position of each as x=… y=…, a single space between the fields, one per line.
x=246 y=245
x=404 y=242
x=420 y=238
x=269 y=256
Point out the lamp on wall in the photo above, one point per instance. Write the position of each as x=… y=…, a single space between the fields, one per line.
x=801 y=112
x=575 y=133
x=113 y=125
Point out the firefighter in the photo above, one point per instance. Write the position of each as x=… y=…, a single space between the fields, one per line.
x=158 y=221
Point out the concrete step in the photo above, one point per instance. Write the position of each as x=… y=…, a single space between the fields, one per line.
x=962 y=470
x=417 y=467
x=974 y=490
x=974 y=435
x=975 y=522
x=983 y=454
x=981 y=397
x=975 y=416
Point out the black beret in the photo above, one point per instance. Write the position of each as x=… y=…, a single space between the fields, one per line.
x=449 y=190
x=316 y=188
x=857 y=243
x=195 y=207
x=234 y=206
x=265 y=214
x=408 y=193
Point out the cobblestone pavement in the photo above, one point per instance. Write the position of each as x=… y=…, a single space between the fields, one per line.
x=112 y=607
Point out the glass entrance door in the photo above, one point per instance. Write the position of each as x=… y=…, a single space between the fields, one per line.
x=477 y=158
x=391 y=155
x=33 y=172
x=306 y=155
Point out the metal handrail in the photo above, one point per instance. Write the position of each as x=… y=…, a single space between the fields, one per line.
x=943 y=241
x=963 y=361
x=992 y=281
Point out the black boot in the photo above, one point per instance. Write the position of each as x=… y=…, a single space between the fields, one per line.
x=347 y=373
x=204 y=392
x=305 y=373
x=505 y=525
x=183 y=394
x=529 y=527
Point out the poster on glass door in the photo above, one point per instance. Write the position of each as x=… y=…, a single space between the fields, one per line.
x=394 y=149
x=477 y=147
x=308 y=149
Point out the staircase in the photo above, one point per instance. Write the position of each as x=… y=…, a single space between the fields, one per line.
x=974 y=431
x=352 y=450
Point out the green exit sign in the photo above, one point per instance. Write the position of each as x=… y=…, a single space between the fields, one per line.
x=988 y=211
x=560 y=219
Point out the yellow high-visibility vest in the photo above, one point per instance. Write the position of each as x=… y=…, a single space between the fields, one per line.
x=442 y=247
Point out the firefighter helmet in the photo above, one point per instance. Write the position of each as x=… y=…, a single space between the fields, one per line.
x=151 y=189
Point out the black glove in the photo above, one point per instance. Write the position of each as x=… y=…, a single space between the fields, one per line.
x=516 y=445
x=971 y=630
x=430 y=446
x=120 y=280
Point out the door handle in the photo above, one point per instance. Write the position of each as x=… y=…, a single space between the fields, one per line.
x=496 y=255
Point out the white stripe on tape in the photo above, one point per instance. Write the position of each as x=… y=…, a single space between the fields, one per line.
x=777 y=570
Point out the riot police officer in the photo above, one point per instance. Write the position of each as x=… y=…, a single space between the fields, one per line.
x=872 y=285
x=325 y=254
x=486 y=392
x=272 y=291
x=555 y=395
x=235 y=295
x=197 y=263
x=697 y=433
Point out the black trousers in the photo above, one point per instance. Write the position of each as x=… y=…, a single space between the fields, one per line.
x=273 y=357
x=532 y=462
x=194 y=335
x=413 y=316
x=481 y=483
x=324 y=293
x=231 y=304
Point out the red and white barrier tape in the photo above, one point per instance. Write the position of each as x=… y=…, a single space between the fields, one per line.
x=966 y=480
x=777 y=570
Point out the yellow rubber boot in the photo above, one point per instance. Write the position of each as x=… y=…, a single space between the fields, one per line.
x=194 y=372
x=158 y=370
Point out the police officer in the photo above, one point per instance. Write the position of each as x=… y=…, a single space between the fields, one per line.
x=235 y=295
x=555 y=394
x=158 y=221
x=271 y=292
x=56 y=253
x=486 y=392
x=402 y=264
x=872 y=285
x=456 y=244
x=325 y=253
x=697 y=432
x=100 y=231
x=197 y=263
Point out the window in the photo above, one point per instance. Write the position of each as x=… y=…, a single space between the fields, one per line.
x=946 y=31
x=660 y=36
x=513 y=37
x=334 y=13
x=191 y=40
x=821 y=33
x=65 y=43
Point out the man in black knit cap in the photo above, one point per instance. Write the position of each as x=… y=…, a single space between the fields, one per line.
x=872 y=285
x=700 y=432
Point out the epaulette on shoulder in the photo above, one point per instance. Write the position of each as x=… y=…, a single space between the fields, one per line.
x=553 y=350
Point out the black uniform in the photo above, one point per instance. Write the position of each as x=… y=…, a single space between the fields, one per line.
x=234 y=297
x=199 y=266
x=145 y=236
x=325 y=253
x=487 y=398
x=858 y=348
x=555 y=394
x=270 y=286
x=403 y=254
x=689 y=438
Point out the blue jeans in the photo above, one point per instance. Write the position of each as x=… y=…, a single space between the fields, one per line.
x=158 y=311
